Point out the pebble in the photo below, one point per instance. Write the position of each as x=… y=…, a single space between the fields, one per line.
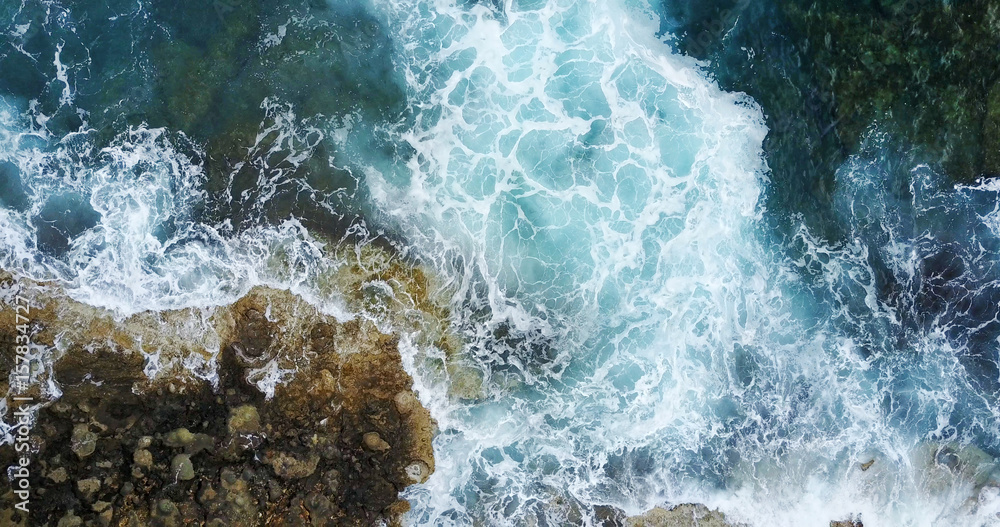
x=83 y=442
x=143 y=458
x=182 y=468
x=58 y=475
x=375 y=442
x=88 y=487
x=243 y=420
x=70 y=520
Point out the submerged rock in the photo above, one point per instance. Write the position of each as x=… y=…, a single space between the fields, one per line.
x=925 y=66
x=951 y=465
x=191 y=443
x=282 y=437
x=914 y=81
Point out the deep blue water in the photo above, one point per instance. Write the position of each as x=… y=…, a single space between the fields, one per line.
x=657 y=305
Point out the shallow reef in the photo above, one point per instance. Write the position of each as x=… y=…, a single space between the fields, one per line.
x=927 y=68
x=827 y=74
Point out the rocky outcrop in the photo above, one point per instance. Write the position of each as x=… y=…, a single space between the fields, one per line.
x=697 y=515
x=687 y=515
x=263 y=412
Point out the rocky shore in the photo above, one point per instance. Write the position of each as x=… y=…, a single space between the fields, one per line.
x=696 y=515
x=262 y=412
x=679 y=516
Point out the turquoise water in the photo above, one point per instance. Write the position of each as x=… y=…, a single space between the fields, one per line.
x=654 y=312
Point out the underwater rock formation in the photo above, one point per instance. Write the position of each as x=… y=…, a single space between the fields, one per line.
x=926 y=67
x=263 y=412
x=828 y=74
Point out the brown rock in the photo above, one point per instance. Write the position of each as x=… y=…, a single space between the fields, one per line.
x=289 y=467
x=83 y=441
x=243 y=420
x=58 y=475
x=406 y=402
x=70 y=520
x=88 y=487
x=142 y=458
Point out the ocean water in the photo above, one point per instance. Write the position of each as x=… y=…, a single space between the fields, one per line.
x=640 y=324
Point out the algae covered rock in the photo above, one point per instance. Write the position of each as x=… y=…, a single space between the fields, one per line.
x=289 y=467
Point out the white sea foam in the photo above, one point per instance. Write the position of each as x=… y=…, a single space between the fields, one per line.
x=147 y=251
x=598 y=199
